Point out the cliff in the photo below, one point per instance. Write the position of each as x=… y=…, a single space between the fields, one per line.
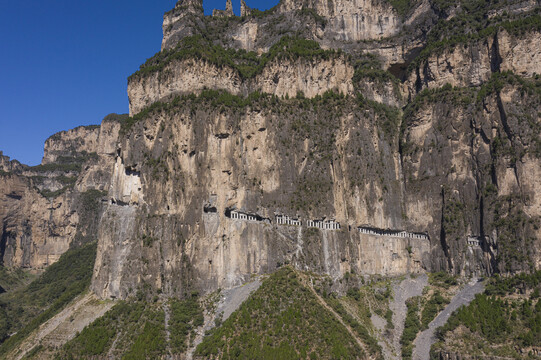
x=47 y=209
x=371 y=114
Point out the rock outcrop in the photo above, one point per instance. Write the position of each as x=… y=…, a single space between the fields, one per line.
x=225 y=13
x=474 y=63
x=328 y=22
x=280 y=78
x=47 y=208
x=351 y=20
x=245 y=10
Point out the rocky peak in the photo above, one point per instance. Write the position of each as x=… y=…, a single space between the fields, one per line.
x=244 y=9
x=182 y=21
x=225 y=13
x=325 y=21
x=190 y=6
x=8 y=165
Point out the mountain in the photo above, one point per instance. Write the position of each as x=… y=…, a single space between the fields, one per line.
x=348 y=144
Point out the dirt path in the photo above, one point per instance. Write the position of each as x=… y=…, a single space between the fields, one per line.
x=403 y=291
x=424 y=340
x=61 y=328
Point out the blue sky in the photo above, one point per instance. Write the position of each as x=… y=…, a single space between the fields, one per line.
x=65 y=63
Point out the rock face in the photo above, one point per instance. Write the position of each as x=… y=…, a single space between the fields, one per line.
x=281 y=78
x=196 y=156
x=245 y=10
x=474 y=63
x=36 y=231
x=351 y=20
x=8 y=165
x=48 y=208
x=196 y=164
x=70 y=143
x=326 y=21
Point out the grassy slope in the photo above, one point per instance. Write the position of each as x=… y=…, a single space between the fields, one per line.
x=283 y=319
x=136 y=330
x=24 y=309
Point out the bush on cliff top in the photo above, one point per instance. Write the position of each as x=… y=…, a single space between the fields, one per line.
x=247 y=64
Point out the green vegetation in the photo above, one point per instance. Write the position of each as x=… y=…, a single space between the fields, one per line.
x=515 y=233
x=402 y=7
x=90 y=201
x=214 y=98
x=137 y=330
x=369 y=67
x=435 y=304
x=283 y=319
x=261 y=14
x=10 y=279
x=421 y=310
x=148 y=240
x=25 y=309
x=389 y=118
x=502 y=286
x=412 y=326
x=454 y=219
x=499 y=80
x=33 y=353
x=372 y=297
x=151 y=342
x=442 y=279
x=248 y=64
x=4 y=324
x=372 y=344
x=113 y=117
x=137 y=327
x=186 y=317
x=309 y=12
x=503 y=320
x=57 y=167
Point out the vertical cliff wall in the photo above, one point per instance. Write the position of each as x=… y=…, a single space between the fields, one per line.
x=324 y=133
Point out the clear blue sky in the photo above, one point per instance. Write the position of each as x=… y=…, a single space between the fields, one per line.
x=65 y=63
